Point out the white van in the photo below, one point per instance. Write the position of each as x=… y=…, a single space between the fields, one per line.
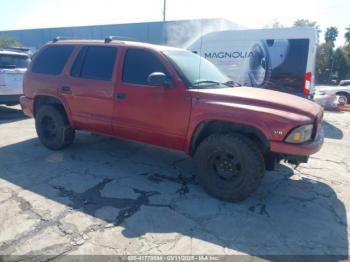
x=281 y=59
x=13 y=65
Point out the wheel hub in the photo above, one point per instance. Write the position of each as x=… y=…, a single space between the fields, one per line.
x=49 y=127
x=343 y=100
x=226 y=166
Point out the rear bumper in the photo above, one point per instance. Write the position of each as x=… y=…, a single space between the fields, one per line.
x=27 y=105
x=9 y=99
x=305 y=149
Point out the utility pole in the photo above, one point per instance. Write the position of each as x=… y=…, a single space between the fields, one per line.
x=164 y=11
x=164 y=22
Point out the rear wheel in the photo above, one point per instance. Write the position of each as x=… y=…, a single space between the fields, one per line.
x=230 y=166
x=52 y=128
x=344 y=98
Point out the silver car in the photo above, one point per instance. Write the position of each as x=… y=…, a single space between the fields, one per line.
x=13 y=65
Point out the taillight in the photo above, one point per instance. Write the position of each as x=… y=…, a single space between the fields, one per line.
x=308 y=78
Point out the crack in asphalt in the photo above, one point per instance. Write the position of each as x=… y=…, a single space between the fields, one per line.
x=180 y=179
x=8 y=247
x=261 y=206
x=183 y=181
x=91 y=200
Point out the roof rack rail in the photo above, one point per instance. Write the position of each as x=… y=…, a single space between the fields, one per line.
x=125 y=38
x=16 y=49
x=58 y=38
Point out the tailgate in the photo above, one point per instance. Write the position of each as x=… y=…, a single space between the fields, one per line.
x=11 y=82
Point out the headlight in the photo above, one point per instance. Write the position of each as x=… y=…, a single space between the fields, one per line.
x=300 y=134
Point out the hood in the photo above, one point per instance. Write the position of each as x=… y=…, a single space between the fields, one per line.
x=260 y=97
x=333 y=89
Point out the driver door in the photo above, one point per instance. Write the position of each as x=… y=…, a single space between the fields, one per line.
x=152 y=114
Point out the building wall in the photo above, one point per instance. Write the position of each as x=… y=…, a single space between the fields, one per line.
x=176 y=33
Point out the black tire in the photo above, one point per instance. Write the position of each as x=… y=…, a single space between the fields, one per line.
x=345 y=96
x=235 y=180
x=53 y=128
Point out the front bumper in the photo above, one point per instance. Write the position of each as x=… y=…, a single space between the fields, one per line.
x=27 y=105
x=9 y=99
x=304 y=149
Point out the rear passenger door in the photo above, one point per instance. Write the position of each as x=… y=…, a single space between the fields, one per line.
x=89 y=87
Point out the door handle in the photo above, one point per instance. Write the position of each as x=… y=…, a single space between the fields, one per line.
x=120 y=96
x=66 y=89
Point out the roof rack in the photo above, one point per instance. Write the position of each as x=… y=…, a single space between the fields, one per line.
x=125 y=38
x=58 y=38
x=107 y=39
x=16 y=49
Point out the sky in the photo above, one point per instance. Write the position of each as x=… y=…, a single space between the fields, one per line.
x=254 y=14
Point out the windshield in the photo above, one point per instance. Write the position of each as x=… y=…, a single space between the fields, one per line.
x=14 y=61
x=199 y=72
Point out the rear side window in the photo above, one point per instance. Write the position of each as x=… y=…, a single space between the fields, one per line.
x=139 y=64
x=95 y=62
x=52 y=59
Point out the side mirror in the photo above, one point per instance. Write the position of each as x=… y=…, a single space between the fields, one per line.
x=159 y=79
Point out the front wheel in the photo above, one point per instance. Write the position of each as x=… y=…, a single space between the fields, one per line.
x=230 y=166
x=52 y=128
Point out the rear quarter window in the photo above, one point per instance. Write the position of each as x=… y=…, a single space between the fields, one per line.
x=52 y=59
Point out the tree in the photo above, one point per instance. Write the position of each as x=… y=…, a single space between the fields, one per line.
x=331 y=35
x=324 y=62
x=346 y=52
x=305 y=23
x=347 y=36
x=275 y=24
x=308 y=23
x=341 y=67
x=8 y=42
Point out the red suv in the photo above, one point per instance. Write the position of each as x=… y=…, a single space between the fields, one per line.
x=170 y=98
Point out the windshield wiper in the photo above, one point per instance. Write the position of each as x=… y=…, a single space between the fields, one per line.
x=232 y=84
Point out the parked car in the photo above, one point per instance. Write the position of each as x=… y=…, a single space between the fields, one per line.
x=171 y=98
x=344 y=83
x=327 y=101
x=343 y=91
x=13 y=65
